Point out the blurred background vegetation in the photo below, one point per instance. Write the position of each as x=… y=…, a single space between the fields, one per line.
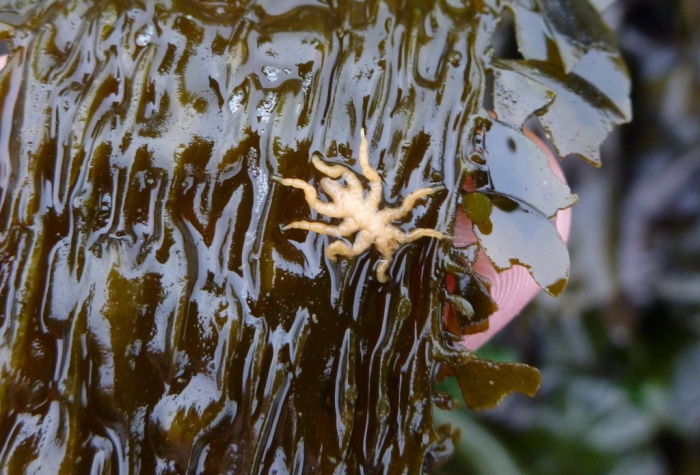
x=619 y=351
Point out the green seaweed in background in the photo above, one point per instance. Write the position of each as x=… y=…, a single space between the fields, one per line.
x=155 y=317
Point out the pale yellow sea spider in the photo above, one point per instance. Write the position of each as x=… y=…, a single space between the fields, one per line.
x=359 y=212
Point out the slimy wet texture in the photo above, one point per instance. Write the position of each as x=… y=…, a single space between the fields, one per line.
x=154 y=317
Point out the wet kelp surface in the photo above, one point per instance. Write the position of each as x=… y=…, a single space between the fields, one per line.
x=156 y=317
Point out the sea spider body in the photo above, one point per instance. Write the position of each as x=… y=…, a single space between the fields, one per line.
x=359 y=211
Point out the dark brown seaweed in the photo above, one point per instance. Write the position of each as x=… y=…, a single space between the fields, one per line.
x=155 y=317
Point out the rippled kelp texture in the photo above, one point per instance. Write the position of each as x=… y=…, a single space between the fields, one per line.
x=155 y=317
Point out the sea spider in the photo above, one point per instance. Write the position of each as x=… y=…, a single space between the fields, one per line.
x=360 y=213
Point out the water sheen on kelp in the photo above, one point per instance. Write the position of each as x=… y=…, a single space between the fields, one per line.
x=156 y=318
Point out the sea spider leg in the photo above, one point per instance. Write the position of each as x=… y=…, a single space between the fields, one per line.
x=345 y=228
x=375 y=182
x=387 y=246
x=382 y=267
x=333 y=171
x=310 y=195
x=409 y=203
x=336 y=171
x=335 y=190
x=387 y=250
x=339 y=248
x=424 y=232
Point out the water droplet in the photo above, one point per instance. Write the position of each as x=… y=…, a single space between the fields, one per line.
x=106 y=204
x=236 y=100
x=478 y=158
x=266 y=106
x=270 y=73
x=145 y=35
x=306 y=82
x=454 y=58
